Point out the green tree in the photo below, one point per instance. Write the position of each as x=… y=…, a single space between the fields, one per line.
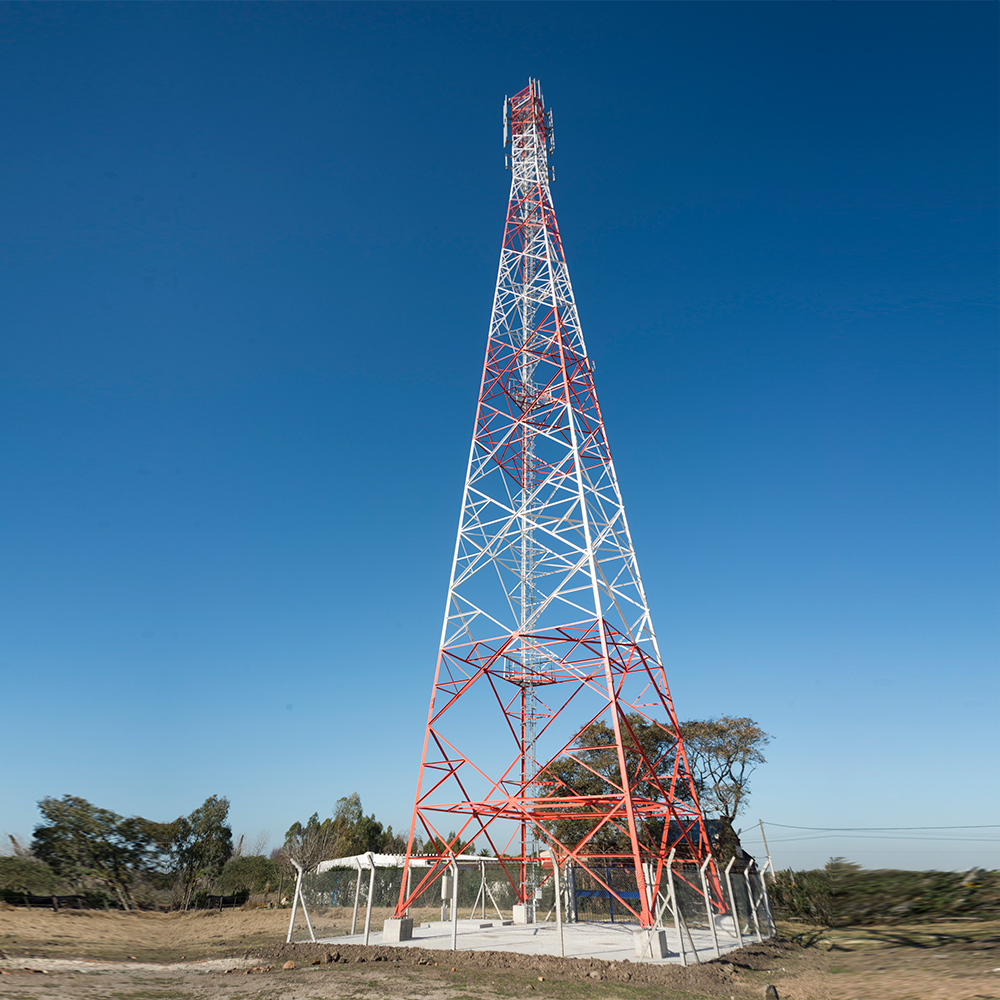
x=592 y=768
x=202 y=844
x=353 y=831
x=250 y=873
x=81 y=842
x=439 y=845
x=25 y=874
x=344 y=834
x=721 y=753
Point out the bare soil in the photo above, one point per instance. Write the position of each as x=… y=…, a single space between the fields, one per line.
x=239 y=954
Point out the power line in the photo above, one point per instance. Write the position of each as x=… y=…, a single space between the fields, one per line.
x=862 y=836
x=883 y=829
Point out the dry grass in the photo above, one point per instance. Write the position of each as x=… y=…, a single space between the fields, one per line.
x=951 y=961
x=955 y=960
x=167 y=937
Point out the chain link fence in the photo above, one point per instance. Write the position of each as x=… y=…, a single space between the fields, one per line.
x=731 y=903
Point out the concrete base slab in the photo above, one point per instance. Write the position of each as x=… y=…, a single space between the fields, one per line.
x=611 y=942
x=524 y=913
x=397 y=929
x=651 y=944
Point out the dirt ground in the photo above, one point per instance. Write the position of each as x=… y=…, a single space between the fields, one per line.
x=240 y=955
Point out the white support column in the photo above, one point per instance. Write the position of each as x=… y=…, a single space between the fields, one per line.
x=493 y=901
x=295 y=902
x=647 y=878
x=672 y=897
x=732 y=902
x=753 y=902
x=708 y=905
x=772 y=927
x=651 y=941
x=454 y=906
x=558 y=888
x=305 y=910
x=482 y=891
x=357 y=896
x=371 y=894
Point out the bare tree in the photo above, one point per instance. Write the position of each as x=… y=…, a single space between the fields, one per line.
x=306 y=846
x=260 y=843
x=723 y=754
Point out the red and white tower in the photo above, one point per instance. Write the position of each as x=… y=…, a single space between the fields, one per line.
x=547 y=633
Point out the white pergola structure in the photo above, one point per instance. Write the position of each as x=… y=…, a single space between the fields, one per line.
x=371 y=861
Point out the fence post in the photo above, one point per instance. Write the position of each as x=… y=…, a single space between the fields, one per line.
x=732 y=902
x=647 y=877
x=371 y=894
x=305 y=910
x=558 y=888
x=672 y=896
x=357 y=896
x=753 y=904
x=772 y=926
x=454 y=905
x=295 y=902
x=708 y=906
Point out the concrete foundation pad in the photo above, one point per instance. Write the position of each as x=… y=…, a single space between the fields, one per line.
x=651 y=944
x=524 y=913
x=397 y=929
x=610 y=942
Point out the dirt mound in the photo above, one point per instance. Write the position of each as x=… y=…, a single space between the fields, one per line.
x=720 y=976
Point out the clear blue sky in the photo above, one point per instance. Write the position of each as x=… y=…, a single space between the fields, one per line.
x=248 y=256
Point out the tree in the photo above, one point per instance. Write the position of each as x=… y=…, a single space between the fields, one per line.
x=29 y=875
x=721 y=754
x=344 y=834
x=84 y=844
x=249 y=873
x=152 y=847
x=440 y=845
x=592 y=768
x=81 y=841
x=306 y=846
x=202 y=843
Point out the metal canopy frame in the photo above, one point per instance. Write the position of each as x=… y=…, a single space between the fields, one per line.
x=546 y=626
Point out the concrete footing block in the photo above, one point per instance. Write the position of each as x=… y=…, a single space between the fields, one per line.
x=651 y=944
x=524 y=913
x=397 y=929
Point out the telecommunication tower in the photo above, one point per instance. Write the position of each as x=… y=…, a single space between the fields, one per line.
x=547 y=638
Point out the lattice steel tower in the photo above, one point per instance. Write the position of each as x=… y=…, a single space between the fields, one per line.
x=547 y=637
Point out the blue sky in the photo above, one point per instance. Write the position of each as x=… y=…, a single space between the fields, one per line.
x=248 y=253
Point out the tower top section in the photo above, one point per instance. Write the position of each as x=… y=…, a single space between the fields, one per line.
x=528 y=135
